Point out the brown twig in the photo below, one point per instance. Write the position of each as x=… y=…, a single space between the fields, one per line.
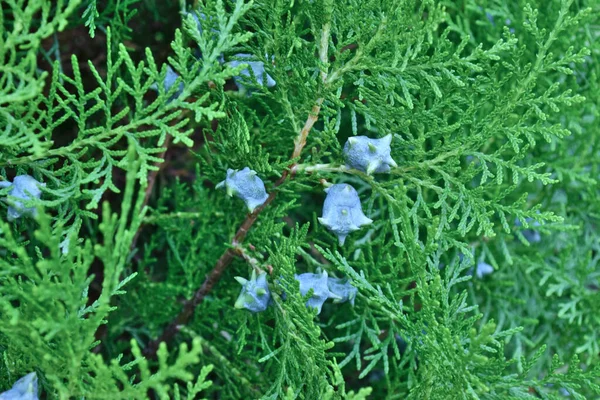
x=252 y=261
x=212 y=278
x=227 y=257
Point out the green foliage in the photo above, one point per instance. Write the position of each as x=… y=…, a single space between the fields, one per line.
x=118 y=14
x=47 y=296
x=493 y=112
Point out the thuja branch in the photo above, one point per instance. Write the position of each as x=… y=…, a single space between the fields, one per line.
x=150 y=186
x=232 y=252
x=300 y=141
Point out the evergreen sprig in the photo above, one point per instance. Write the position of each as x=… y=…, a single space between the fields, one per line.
x=473 y=270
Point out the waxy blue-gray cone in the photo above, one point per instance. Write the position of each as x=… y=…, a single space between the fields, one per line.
x=246 y=185
x=25 y=388
x=255 y=294
x=342 y=290
x=23 y=187
x=318 y=283
x=483 y=269
x=532 y=235
x=369 y=155
x=342 y=211
x=169 y=81
x=258 y=69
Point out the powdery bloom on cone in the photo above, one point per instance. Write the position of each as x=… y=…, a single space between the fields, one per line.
x=257 y=67
x=23 y=187
x=369 y=155
x=25 y=388
x=246 y=185
x=532 y=235
x=318 y=283
x=342 y=290
x=170 y=80
x=342 y=211
x=255 y=294
x=483 y=269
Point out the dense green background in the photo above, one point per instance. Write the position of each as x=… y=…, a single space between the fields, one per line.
x=494 y=110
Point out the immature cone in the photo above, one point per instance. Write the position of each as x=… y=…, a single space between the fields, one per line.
x=342 y=212
x=369 y=155
x=483 y=269
x=318 y=283
x=532 y=235
x=169 y=81
x=199 y=21
x=342 y=290
x=23 y=187
x=258 y=69
x=255 y=294
x=25 y=388
x=246 y=185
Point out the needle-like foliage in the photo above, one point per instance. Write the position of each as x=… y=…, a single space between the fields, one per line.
x=467 y=130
